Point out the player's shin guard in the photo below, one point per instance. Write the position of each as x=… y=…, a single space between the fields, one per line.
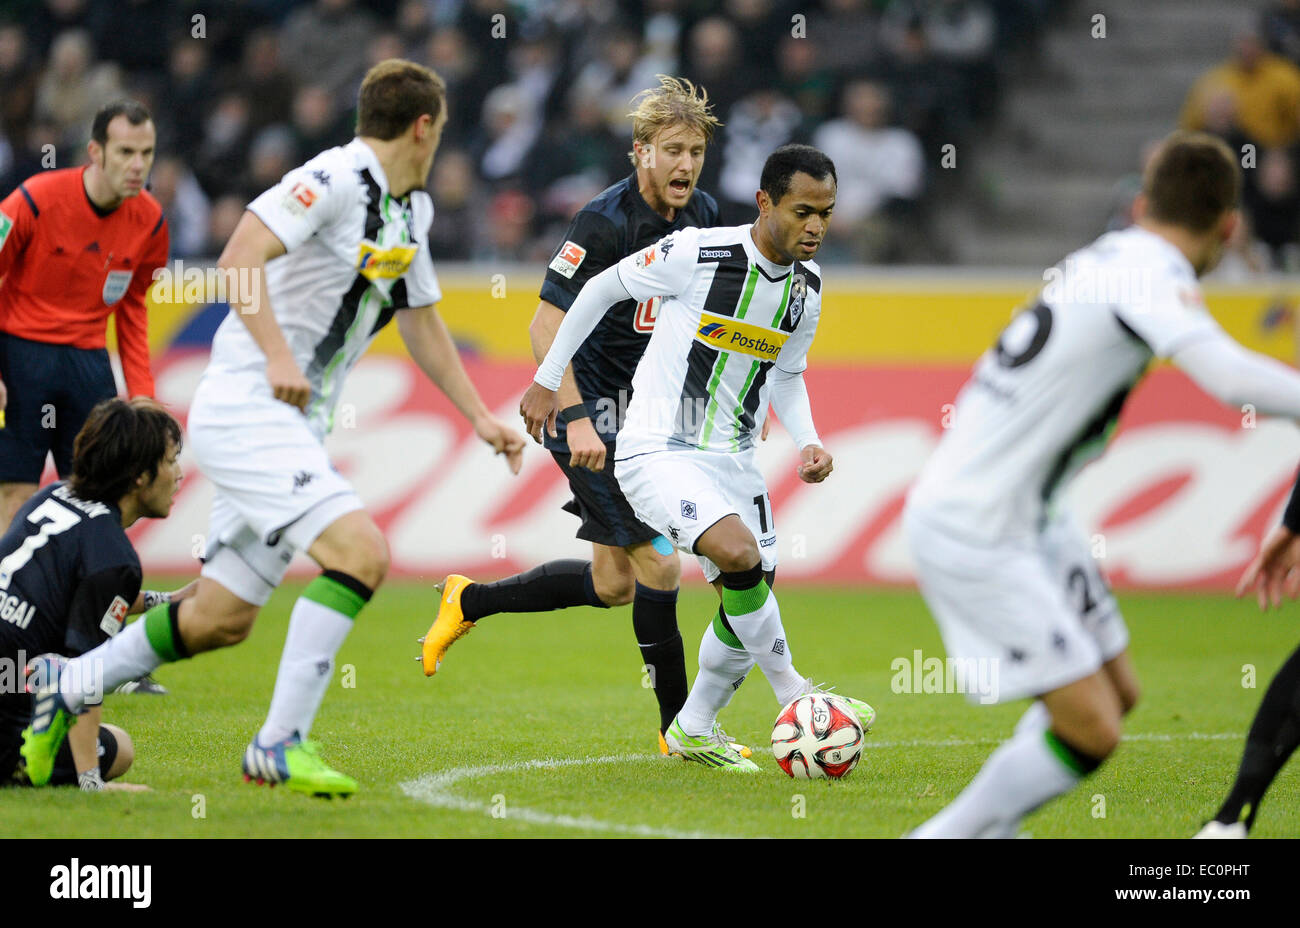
x=1273 y=737
x=755 y=620
x=549 y=586
x=142 y=647
x=654 y=620
x=724 y=663
x=1021 y=775
x=320 y=621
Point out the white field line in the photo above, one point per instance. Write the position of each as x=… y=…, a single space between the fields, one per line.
x=435 y=788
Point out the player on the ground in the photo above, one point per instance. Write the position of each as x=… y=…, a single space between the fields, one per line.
x=76 y=244
x=1007 y=576
x=69 y=576
x=332 y=253
x=631 y=562
x=738 y=313
x=1275 y=731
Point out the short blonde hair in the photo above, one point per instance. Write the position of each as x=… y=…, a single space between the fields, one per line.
x=675 y=101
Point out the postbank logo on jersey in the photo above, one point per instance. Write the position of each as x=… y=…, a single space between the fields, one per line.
x=388 y=264
x=727 y=334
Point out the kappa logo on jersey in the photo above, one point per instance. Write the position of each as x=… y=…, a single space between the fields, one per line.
x=646 y=315
x=741 y=337
x=715 y=253
x=374 y=264
x=115 y=286
x=567 y=261
x=6 y=226
x=112 y=621
x=665 y=246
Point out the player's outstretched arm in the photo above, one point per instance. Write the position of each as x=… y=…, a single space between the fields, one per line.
x=83 y=741
x=434 y=352
x=586 y=447
x=244 y=264
x=538 y=406
x=1237 y=376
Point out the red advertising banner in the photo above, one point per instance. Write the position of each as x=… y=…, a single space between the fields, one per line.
x=1179 y=500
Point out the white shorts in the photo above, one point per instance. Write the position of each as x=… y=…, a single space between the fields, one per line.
x=276 y=489
x=684 y=493
x=1032 y=617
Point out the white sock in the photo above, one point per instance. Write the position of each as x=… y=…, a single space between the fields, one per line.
x=127 y=656
x=316 y=632
x=759 y=628
x=1036 y=718
x=1017 y=778
x=722 y=670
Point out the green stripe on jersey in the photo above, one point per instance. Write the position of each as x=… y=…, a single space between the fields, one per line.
x=750 y=282
x=785 y=302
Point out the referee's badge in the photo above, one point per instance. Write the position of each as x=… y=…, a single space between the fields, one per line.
x=115 y=286
x=798 y=290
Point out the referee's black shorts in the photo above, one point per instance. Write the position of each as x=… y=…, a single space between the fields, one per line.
x=607 y=517
x=52 y=389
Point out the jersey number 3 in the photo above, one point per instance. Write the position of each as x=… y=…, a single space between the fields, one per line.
x=61 y=518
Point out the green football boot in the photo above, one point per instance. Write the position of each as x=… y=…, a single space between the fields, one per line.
x=50 y=718
x=713 y=750
x=296 y=764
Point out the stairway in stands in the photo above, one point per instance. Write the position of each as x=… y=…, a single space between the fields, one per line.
x=1073 y=127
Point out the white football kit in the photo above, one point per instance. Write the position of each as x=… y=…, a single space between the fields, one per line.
x=355 y=255
x=1005 y=573
x=732 y=335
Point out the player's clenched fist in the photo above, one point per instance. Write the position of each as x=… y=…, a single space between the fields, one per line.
x=287 y=382
x=586 y=448
x=817 y=464
x=538 y=407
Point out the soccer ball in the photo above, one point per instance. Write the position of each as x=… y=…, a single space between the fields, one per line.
x=817 y=736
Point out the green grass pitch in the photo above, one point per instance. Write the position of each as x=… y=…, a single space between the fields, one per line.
x=539 y=726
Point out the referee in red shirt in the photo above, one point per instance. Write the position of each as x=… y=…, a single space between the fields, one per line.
x=76 y=245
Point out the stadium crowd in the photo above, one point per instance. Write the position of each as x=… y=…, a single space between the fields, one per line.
x=243 y=90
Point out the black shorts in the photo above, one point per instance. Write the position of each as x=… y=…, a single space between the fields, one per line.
x=14 y=718
x=607 y=518
x=52 y=389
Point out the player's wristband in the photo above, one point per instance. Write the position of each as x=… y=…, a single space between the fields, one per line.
x=155 y=598
x=90 y=781
x=576 y=411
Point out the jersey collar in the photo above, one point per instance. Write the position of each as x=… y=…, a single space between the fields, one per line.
x=770 y=269
x=1170 y=250
x=370 y=161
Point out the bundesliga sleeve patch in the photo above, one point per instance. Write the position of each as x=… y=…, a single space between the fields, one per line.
x=111 y=624
x=567 y=261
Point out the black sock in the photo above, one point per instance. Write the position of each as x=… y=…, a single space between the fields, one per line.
x=553 y=585
x=1273 y=737
x=654 y=619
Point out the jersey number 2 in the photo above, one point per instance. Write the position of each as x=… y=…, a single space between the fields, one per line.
x=61 y=518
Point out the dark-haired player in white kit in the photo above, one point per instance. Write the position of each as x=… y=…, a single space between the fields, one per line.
x=1008 y=578
x=739 y=311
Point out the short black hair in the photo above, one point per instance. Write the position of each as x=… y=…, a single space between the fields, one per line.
x=121 y=440
x=789 y=160
x=136 y=114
